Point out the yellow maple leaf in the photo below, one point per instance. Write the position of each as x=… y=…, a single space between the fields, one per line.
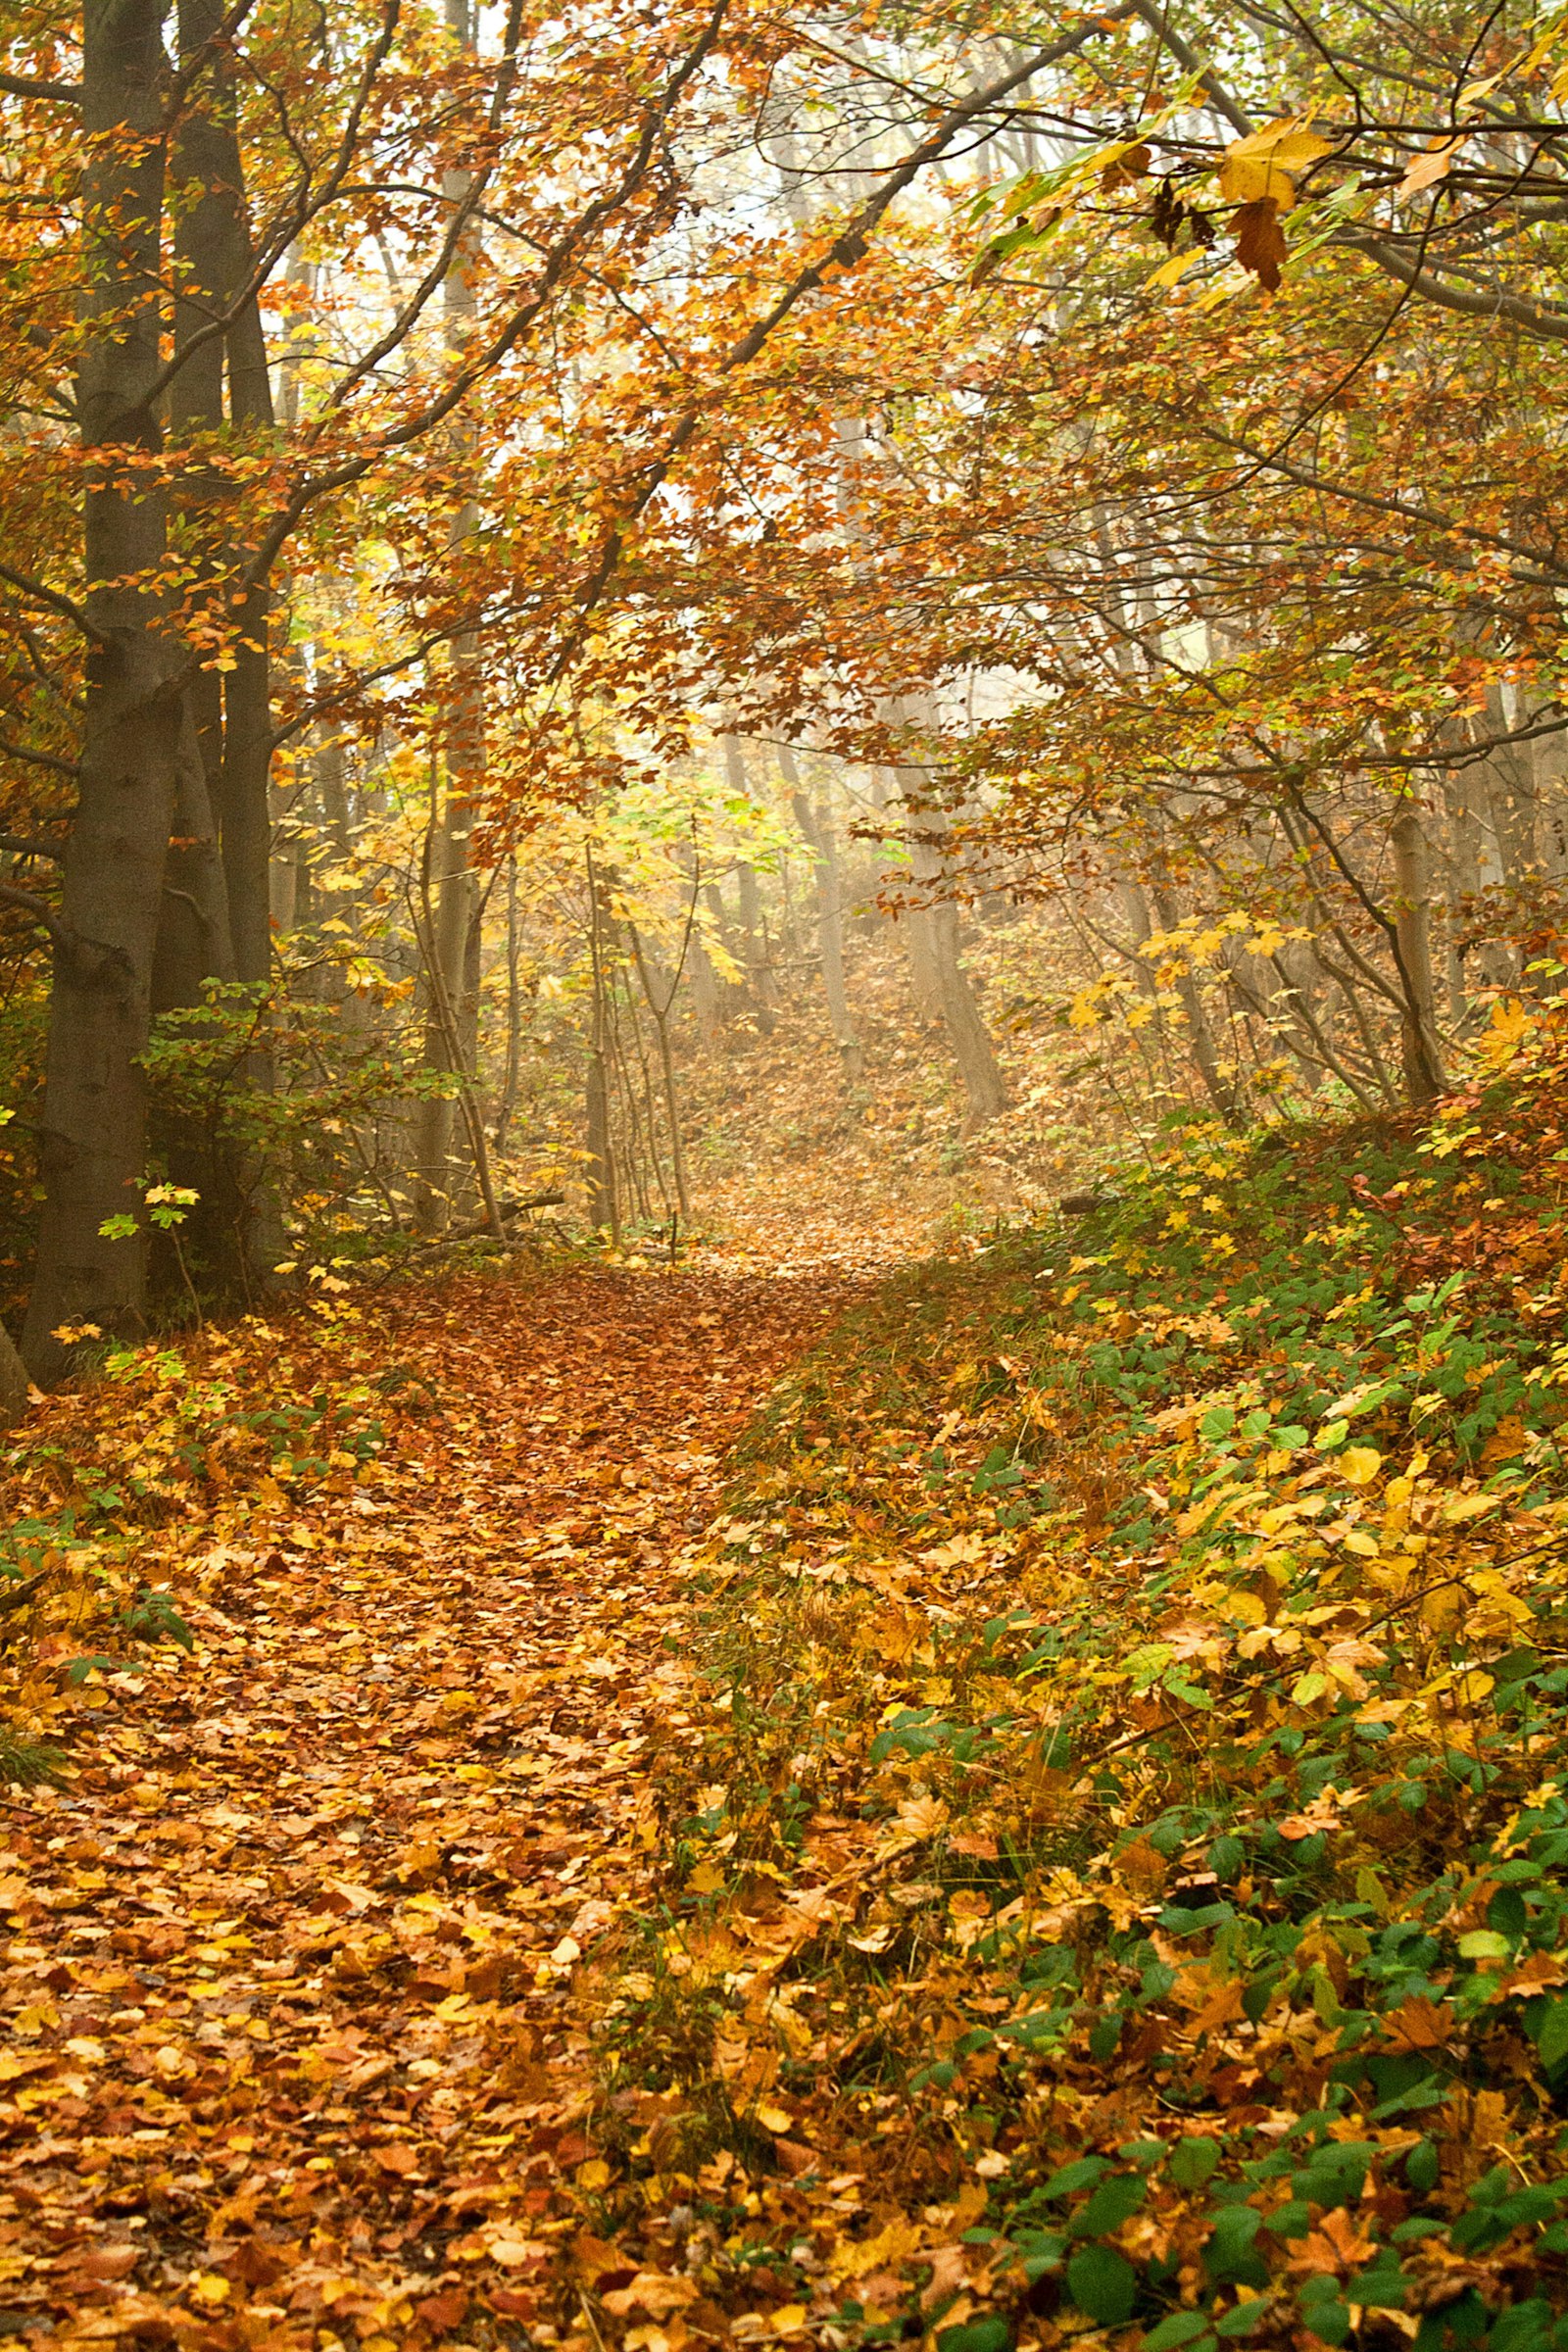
x=1266 y=161
x=921 y=1816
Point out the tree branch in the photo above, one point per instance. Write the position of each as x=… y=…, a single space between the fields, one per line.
x=41 y=594
x=22 y=85
x=847 y=248
x=1547 y=326
x=43 y=915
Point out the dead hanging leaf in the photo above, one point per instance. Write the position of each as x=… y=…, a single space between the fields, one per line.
x=1126 y=170
x=1430 y=167
x=1166 y=214
x=1260 y=241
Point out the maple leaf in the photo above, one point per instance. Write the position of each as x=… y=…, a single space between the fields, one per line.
x=1259 y=240
x=1419 y=2024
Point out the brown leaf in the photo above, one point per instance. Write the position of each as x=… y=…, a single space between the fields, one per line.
x=514 y=2302
x=1126 y=170
x=593 y=2255
x=974 y=1849
x=1430 y=167
x=445 y=2310
x=1260 y=241
x=253 y=2265
x=1142 y=1865
x=108 y=2262
x=1419 y=2024
x=1221 y=2009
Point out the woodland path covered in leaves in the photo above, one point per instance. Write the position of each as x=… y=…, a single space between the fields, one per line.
x=294 y=2057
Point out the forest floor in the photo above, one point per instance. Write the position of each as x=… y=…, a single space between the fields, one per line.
x=293 y=2052
x=992 y=1803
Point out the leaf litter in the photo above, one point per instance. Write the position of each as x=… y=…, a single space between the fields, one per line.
x=294 y=2053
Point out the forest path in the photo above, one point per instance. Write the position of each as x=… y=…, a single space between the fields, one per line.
x=295 y=2057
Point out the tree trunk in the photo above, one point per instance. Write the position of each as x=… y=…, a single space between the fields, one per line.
x=512 y=1078
x=816 y=828
x=92 y=1130
x=604 y=1189
x=1200 y=1032
x=967 y=1033
x=448 y=890
x=601 y=1165
x=237 y=1235
x=758 y=976
x=12 y=1381
x=214 y=259
x=457 y=899
x=1418 y=1036
x=193 y=936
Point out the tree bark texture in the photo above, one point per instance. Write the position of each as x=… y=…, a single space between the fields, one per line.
x=218 y=325
x=92 y=1139
x=442 y=1188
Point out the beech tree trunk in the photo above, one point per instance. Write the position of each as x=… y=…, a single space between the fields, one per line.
x=758 y=976
x=442 y=1187
x=92 y=1130
x=967 y=1033
x=194 y=943
x=1200 y=1030
x=816 y=828
x=218 y=328
x=1418 y=1035
x=235 y=1234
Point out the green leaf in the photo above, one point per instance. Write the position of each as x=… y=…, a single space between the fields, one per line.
x=1083 y=2172
x=1483 y=1944
x=1244 y=2317
x=1103 y=2284
x=79 y=1668
x=1383 y=2287
x=1113 y=2202
x=1192 y=2160
x=989 y=2333
x=1179 y=2327
x=1552 y=2042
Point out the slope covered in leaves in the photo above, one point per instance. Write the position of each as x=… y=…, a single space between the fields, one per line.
x=1124 y=1887
x=293 y=2055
